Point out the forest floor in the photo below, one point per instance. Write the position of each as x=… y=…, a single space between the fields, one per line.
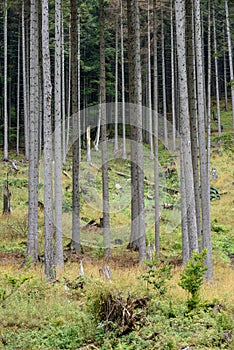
x=136 y=310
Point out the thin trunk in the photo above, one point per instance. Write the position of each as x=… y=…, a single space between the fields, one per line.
x=105 y=191
x=5 y=157
x=230 y=57
x=116 y=145
x=164 y=82
x=217 y=75
x=18 y=98
x=25 y=89
x=150 y=130
x=97 y=138
x=173 y=83
x=184 y=221
x=123 y=81
x=78 y=80
x=69 y=117
x=63 y=97
x=225 y=75
x=156 y=161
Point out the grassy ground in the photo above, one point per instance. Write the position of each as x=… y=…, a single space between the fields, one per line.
x=71 y=312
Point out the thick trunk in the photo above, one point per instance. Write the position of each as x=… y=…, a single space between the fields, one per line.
x=32 y=246
x=75 y=131
x=204 y=163
x=137 y=239
x=184 y=125
x=48 y=191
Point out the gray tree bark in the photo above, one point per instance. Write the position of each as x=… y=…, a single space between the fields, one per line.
x=75 y=131
x=48 y=191
x=173 y=105
x=164 y=82
x=216 y=75
x=193 y=105
x=137 y=239
x=184 y=125
x=204 y=171
x=25 y=88
x=230 y=57
x=32 y=246
x=116 y=144
x=5 y=157
x=105 y=190
x=18 y=98
x=123 y=80
x=150 y=131
x=58 y=140
x=155 y=128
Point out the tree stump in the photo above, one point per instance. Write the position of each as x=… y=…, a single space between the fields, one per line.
x=6 y=199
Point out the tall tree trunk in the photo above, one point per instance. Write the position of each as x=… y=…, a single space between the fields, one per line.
x=116 y=145
x=63 y=98
x=75 y=132
x=32 y=246
x=48 y=191
x=150 y=131
x=18 y=98
x=105 y=190
x=78 y=79
x=123 y=80
x=5 y=157
x=25 y=89
x=156 y=163
x=225 y=74
x=216 y=75
x=193 y=105
x=184 y=221
x=58 y=140
x=137 y=239
x=204 y=171
x=164 y=82
x=173 y=106
x=184 y=125
x=230 y=57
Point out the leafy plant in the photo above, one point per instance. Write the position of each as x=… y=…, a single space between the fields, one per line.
x=157 y=275
x=12 y=284
x=192 y=278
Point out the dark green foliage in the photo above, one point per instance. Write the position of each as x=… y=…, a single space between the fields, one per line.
x=191 y=279
x=157 y=275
